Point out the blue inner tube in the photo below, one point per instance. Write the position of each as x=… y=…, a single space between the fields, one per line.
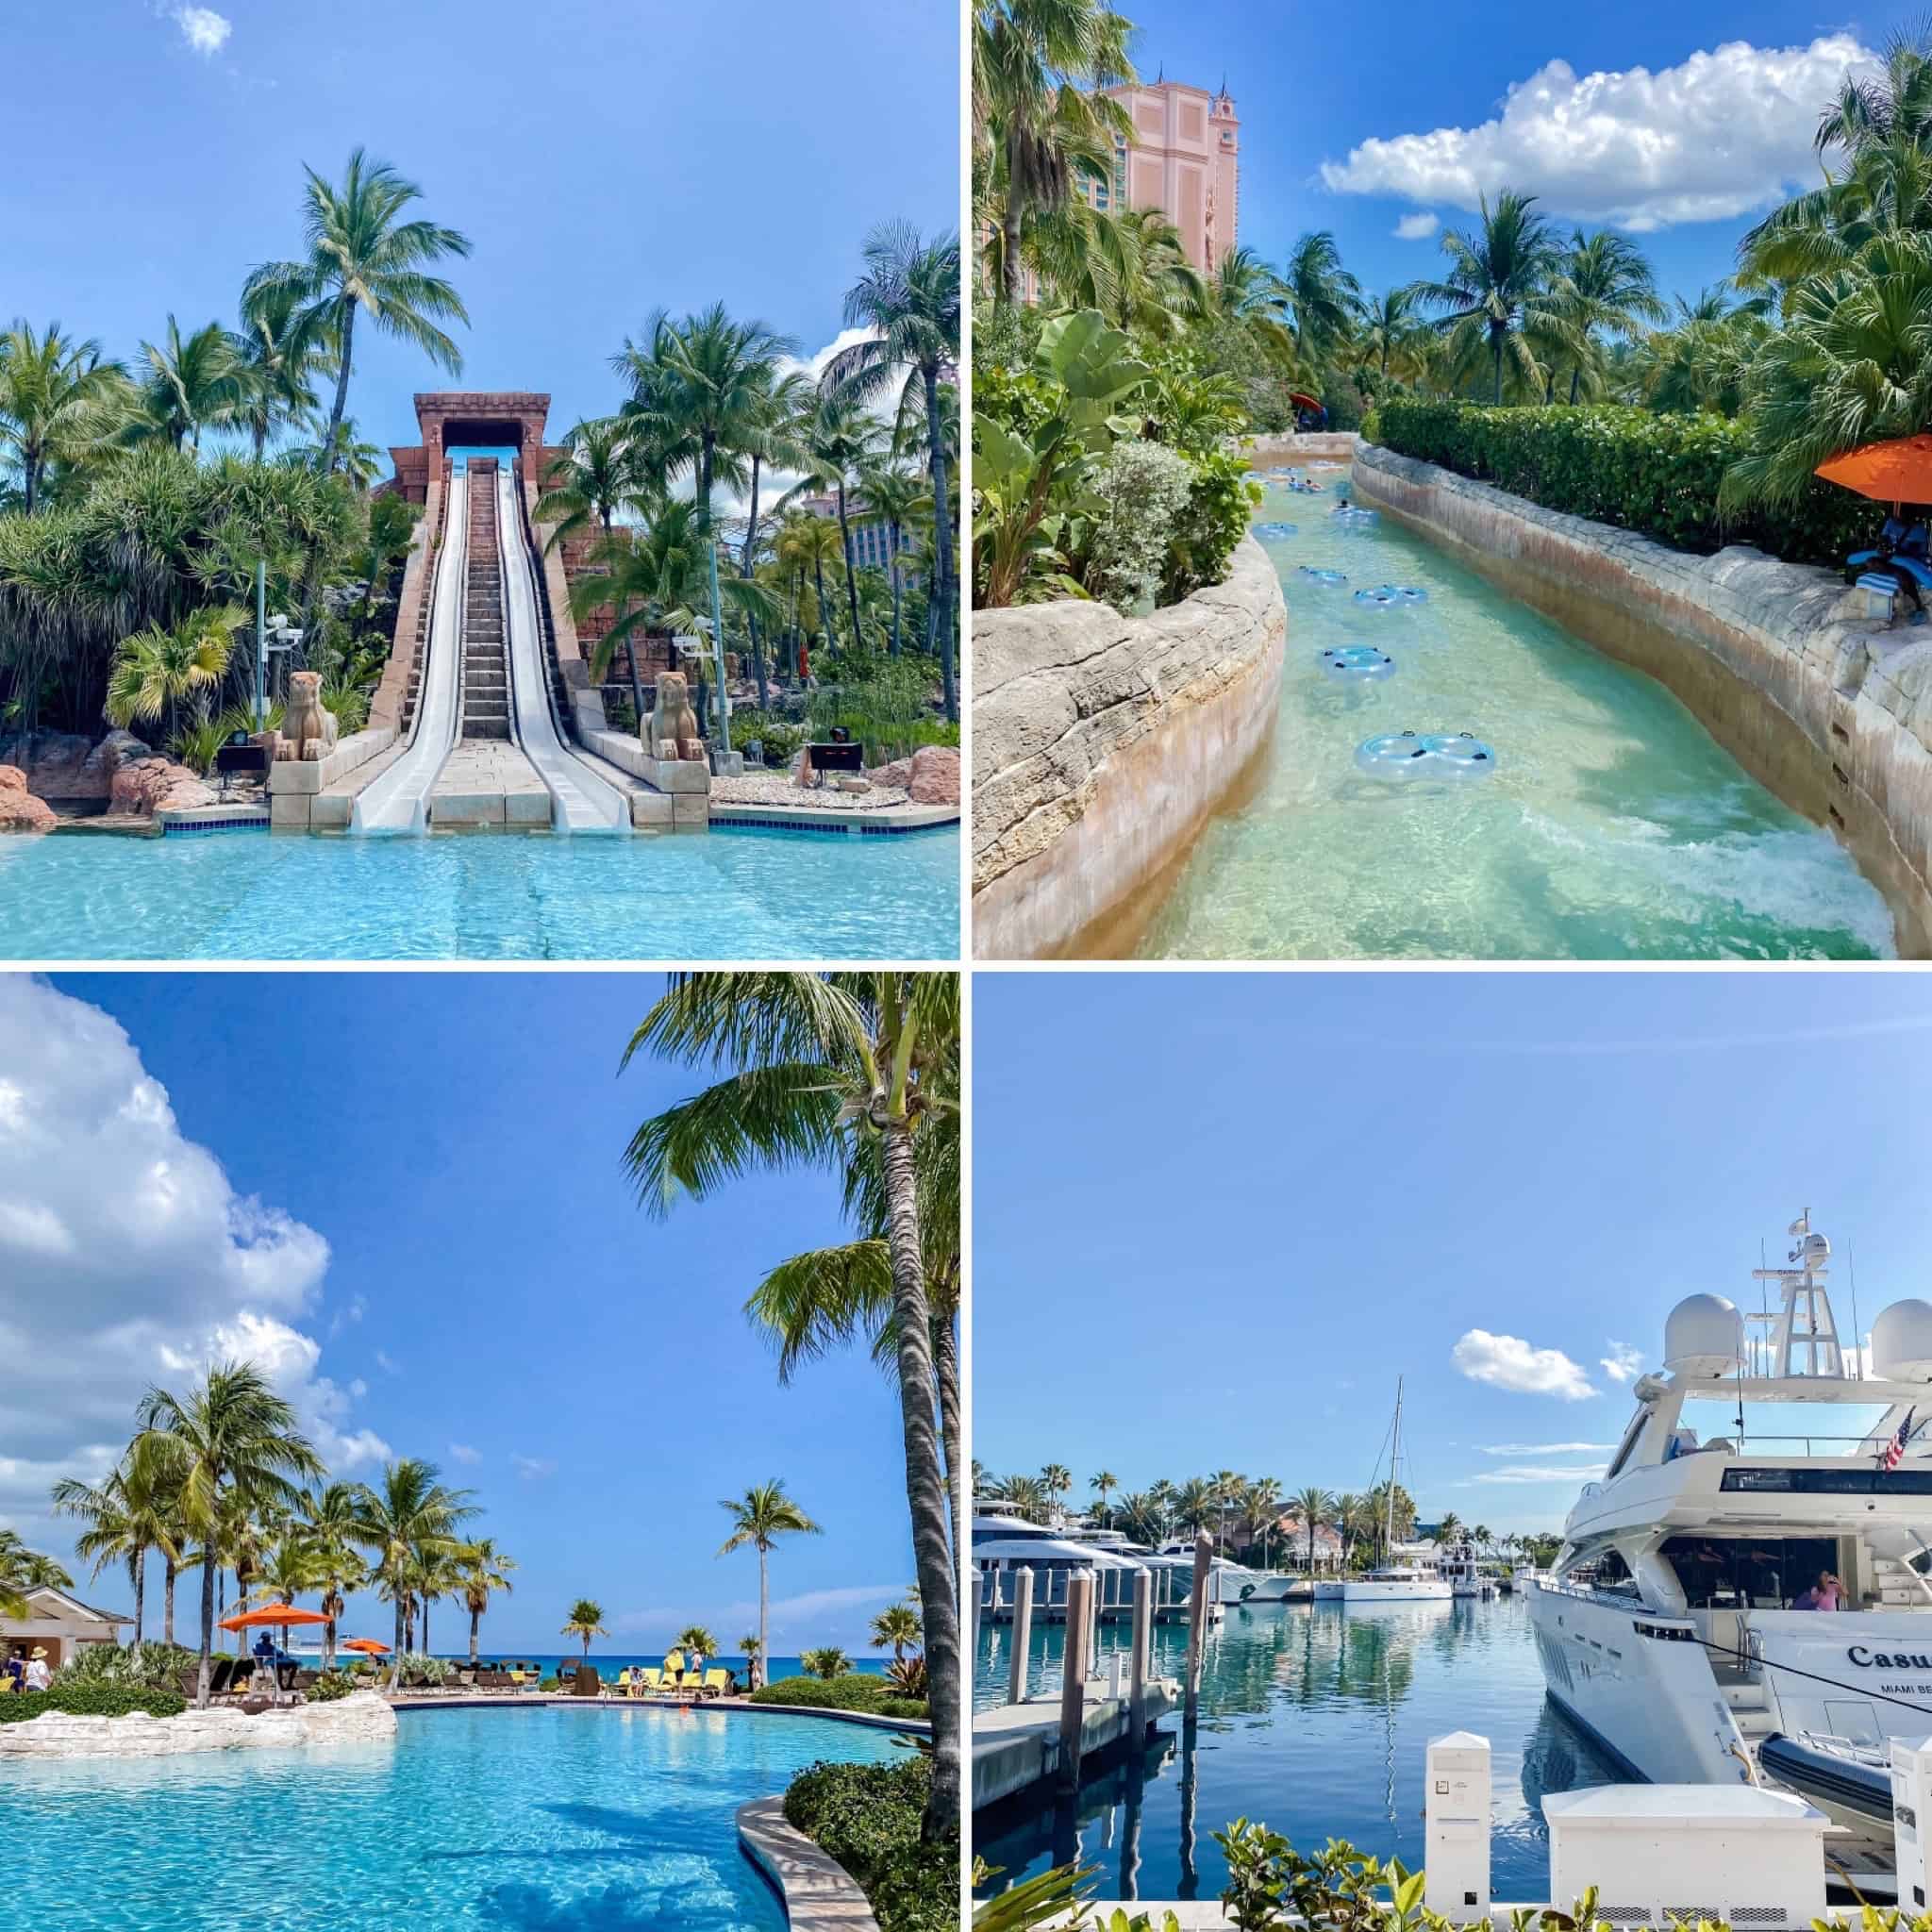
x=1320 y=576
x=1356 y=663
x=1385 y=594
x=1425 y=755
x=1274 y=529
x=1352 y=509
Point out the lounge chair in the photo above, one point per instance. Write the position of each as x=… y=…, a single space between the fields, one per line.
x=648 y=1682
x=674 y=1672
x=717 y=1684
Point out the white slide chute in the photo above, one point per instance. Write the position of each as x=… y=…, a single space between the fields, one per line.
x=580 y=800
x=396 y=803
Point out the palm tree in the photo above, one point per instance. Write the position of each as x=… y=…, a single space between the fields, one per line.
x=1025 y=1495
x=158 y=666
x=1260 y=1505
x=1041 y=112
x=193 y=382
x=760 y=1517
x=771 y=434
x=839 y=440
x=592 y=478
x=892 y=494
x=1057 y=1479
x=826 y=1662
x=752 y=1650
x=586 y=1620
x=127 y=1515
x=1603 y=283
x=1389 y=331
x=700 y=391
x=49 y=385
x=228 y=1436
x=909 y=297
x=805 y=544
x=1314 y=1505
x=1139 y=1516
x=363 y=259
x=331 y=1521
x=482 y=1568
x=698 y=1644
x=408 y=1516
x=1246 y=292
x=1195 y=1505
x=1497 y=276
x=288 y=1569
x=1323 y=297
x=275 y=359
x=897 y=1625
x=817 y=1066
x=1104 y=1486
x=22 y=1570
x=1226 y=1488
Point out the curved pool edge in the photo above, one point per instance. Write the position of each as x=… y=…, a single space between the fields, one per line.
x=818 y=1893
x=537 y=1700
x=1799 y=694
x=1102 y=744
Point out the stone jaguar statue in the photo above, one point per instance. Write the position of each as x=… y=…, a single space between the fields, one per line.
x=308 y=729
x=670 y=731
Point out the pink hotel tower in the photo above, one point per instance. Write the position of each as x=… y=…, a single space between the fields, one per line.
x=1184 y=159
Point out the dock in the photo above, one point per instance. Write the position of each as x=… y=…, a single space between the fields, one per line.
x=1018 y=1746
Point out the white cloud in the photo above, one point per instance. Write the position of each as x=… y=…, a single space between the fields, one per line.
x=384 y=1362
x=1416 y=227
x=1540 y=1475
x=804 y=1615
x=205 y=30
x=1623 y=1362
x=532 y=1468
x=1549 y=1449
x=1503 y=1361
x=1726 y=132
x=128 y=1258
x=462 y=1452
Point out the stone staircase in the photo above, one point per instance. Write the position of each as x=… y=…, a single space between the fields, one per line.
x=485 y=661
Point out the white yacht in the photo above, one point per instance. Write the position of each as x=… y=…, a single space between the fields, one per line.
x=1461 y=1569
x=1002 y=1544
x=1409 y=1573
x=1680 y=1624
x=1236 y=1583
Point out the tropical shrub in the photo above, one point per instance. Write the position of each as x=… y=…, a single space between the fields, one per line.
x=908 y=1676
x=129 y=1667
x=854 y=1690
x=1141 y=490
x=867 y=1817
x=85 y=1699
x=418 y=1667
x=1660 y=474
x=828 y=1661
x=331 y=1686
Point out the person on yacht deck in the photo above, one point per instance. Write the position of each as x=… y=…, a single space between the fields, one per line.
x=1822 y=1596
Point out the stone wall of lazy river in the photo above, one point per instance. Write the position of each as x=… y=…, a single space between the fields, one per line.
x=1101 y=744
x=1827 y=710
x=359 y=1719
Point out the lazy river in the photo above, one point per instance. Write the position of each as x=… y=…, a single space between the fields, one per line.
x=1606 y=824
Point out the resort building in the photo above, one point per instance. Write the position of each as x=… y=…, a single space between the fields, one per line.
x=872 y=541
x=1184 y=159
x=59 y=1624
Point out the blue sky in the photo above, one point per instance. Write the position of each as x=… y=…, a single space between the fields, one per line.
x=1217 y=1214
x=487 y=1291
x=604 y=160
x=1650 y=124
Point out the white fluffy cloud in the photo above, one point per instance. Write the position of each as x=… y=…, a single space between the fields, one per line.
x=1505 y=1361
x=1540 y=1474
x=1724 y=133
x=1549 y=1448
x=128 y=1258
x=1623 y=1363
x=205 y=30
x=1416 y=227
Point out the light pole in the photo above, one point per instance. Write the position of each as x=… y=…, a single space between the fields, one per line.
x=261 y=645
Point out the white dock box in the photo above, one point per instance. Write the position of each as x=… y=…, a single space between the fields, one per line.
x=1656 y=1853
x=1456 y=1810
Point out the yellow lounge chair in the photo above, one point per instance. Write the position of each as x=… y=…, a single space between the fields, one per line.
x=646 y=1682
x=717 y=1682
x=674 y=1671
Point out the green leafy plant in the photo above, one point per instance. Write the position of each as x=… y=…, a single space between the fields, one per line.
x=84 y=1699
x=129 y=1667
x=867 y=1817
x=331 y=1686
x=1057 y=1896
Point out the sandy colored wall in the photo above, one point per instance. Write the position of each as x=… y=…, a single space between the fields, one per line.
x=1333 y=445
x=1101 y=743
x=1826 y=709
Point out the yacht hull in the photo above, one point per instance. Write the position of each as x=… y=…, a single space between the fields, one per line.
x=1359 y=1595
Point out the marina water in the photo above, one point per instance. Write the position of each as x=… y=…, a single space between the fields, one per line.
x=1612 y=825
x=1314 y=1721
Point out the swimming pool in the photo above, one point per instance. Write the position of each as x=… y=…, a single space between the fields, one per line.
x=1612 y=825
x=536 y=1820
x=749 y=894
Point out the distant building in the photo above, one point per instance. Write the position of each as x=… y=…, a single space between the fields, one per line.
x=59 y=1624
x=872 y=541
x=1184 y=159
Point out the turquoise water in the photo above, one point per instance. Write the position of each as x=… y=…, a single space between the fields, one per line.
x=599 y=1820
x=1612 y=825
x=254 y=896
x=1313 y=1721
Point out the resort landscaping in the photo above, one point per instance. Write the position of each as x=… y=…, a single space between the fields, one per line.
x=1697 y=484
x=727 y=603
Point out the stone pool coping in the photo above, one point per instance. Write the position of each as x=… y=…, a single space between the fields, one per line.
x=1828 y=711
x=885 y=819
x=533 y=1700
x=60 y=1736
x=819 y=1894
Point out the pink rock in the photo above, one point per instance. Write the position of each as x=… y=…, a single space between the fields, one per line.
x=146 y=786
x=108 y=756
x=19 y=810
x=935 y=775
x=898 y=775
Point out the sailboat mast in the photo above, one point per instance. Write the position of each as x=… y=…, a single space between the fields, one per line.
x=1394 y=1464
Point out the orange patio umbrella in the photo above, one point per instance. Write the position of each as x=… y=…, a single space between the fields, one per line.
x=367 y=1645
x=277 y=1615
x=1895 y=471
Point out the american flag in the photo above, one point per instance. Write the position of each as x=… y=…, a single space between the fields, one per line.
x=1896 y=1449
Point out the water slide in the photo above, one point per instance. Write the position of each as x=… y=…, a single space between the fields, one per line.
x=396 y=803
x=580 y=800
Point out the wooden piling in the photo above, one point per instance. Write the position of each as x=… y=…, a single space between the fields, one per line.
x=1197 y=1619
x=1143 y=1654
x=1074 y=1677
x=1023 y=1635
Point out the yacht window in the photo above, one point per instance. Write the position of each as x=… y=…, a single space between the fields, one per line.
x=1748 y=1573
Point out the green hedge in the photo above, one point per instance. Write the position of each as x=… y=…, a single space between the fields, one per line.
x=856 y=1691
x=89 y=1699
x=1656 y=474
x=867 y=1816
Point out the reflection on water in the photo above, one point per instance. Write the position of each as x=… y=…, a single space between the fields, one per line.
x=1313 y=1721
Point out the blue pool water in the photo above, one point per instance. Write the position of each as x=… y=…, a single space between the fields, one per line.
x=1611 y=826
x=1313 y=1721
x=745 y=894
x=527 y=1821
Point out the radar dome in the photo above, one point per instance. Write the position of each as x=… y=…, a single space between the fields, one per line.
x=1901 y=1342
x=1704 y=1336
